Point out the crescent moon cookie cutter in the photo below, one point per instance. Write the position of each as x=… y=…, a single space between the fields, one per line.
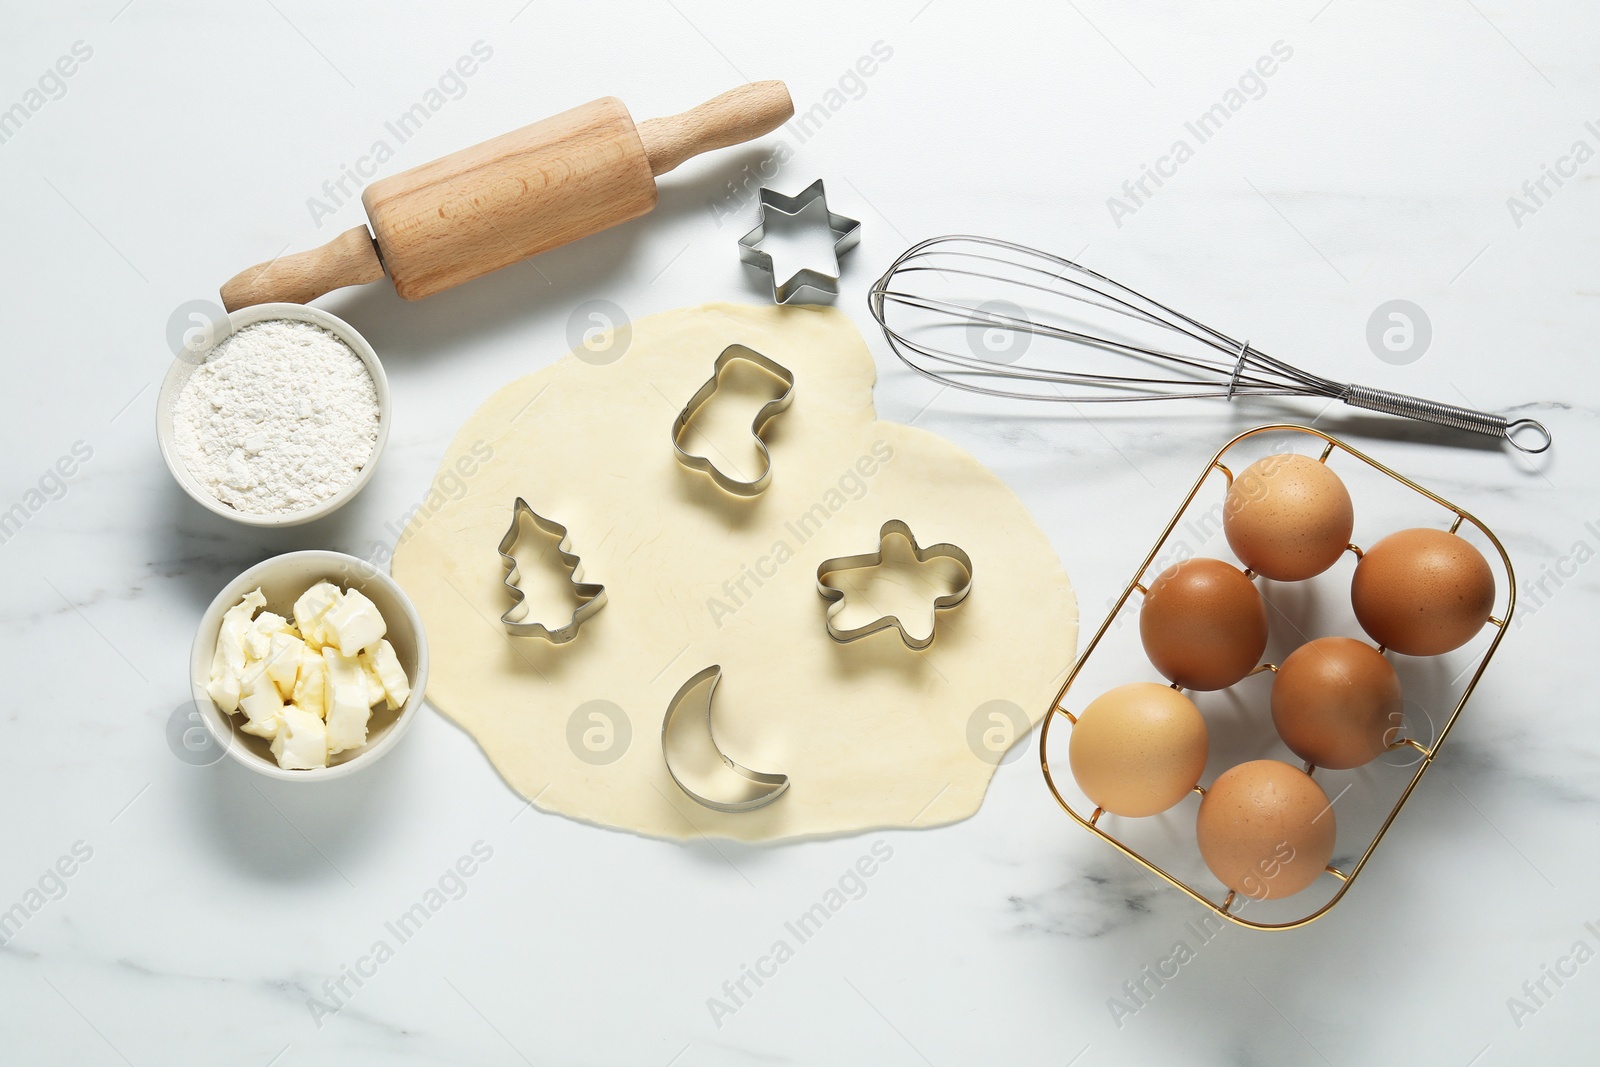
x=836 y=596
x=751 y=789
x=845 y=231
x=591 y=597
x=769 y=411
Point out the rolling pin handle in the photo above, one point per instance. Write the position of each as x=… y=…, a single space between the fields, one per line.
x=349 y=259
x=736 y=116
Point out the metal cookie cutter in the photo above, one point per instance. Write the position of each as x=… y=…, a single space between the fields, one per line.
x=770 y=410
x=591 y=597
x=873 y=559
x=846 y=233
x=749 y=789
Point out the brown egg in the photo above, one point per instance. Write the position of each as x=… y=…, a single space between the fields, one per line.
x=1422 y=592
x=1265 y=829
x=1288 y=517
x=1203 y=624
x=1336 y=702
x=1138 y=749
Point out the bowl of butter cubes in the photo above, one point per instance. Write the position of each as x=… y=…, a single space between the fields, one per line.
x=309 y=665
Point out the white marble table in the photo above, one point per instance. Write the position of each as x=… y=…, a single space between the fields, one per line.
x=207 y=907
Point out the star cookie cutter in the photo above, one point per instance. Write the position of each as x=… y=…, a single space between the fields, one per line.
x=770 y=410
x=751 y=789
x=591 y=597
x=846 y=233
x=835 y=596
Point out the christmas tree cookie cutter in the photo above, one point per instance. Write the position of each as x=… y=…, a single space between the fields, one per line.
x=591 y=597
x=836 y=596
x=679 y=738
x=769 y=411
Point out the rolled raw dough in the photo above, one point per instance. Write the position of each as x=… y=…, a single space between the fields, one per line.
x=871 y=733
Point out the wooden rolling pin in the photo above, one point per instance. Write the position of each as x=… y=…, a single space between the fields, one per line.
x=525 y=192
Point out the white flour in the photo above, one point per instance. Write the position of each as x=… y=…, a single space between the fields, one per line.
x=281 y=416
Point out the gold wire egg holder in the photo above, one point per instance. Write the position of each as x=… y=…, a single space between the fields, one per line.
x=1427 y=752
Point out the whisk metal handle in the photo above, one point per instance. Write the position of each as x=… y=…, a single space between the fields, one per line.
x=1484 y=422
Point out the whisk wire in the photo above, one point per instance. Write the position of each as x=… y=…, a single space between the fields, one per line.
x=913 y=321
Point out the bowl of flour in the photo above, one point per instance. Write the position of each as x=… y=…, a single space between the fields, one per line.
x=278 y=422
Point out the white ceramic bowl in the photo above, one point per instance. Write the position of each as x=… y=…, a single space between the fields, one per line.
x=281 y=580
x=181 y=369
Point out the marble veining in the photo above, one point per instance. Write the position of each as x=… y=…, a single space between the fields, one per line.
x=217 y=914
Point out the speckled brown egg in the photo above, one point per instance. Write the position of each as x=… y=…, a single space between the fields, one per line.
x=1336 y=702
x=1203 y=624
x=1288 y=517
x=1138 y=749
x=1265 y=829
x=1422 y=592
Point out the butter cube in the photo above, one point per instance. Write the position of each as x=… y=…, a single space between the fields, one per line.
x=349 y=704
x=258 y=639
x=310 y=610
x=224 y=689
x=353 y=624
x=228 y=662
x=311 y=684
x=283 y=661
x=302 y=742
x=374 y=682
x=391 y=676
x=270 y=622
x=261 y=702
